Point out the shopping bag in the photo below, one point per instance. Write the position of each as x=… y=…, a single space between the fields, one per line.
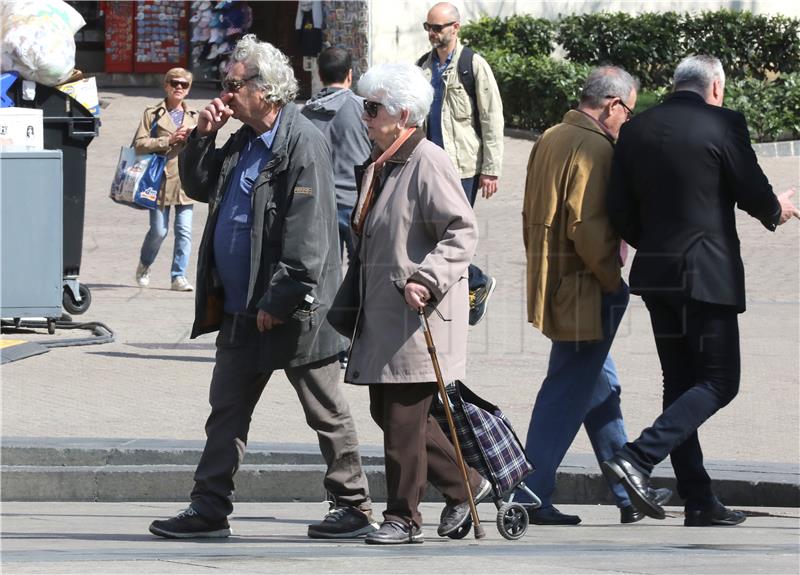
x=138 y=179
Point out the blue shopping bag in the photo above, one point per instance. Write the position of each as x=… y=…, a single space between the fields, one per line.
x=137 y=180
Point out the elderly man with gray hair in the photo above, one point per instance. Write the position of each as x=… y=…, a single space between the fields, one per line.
x=679 y=170
x=267 y=271
x=576 y=295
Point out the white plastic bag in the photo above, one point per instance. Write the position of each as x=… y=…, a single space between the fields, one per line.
x=38 y=39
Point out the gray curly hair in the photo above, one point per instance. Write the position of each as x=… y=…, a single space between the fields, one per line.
x=274 y=71
x=398 y=87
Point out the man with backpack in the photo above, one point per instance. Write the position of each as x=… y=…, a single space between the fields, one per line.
x=466 y=119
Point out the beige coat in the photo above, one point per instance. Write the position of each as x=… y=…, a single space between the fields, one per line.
x=572 y=251
x=421 y=228
x=472 y=154
x=171 y=192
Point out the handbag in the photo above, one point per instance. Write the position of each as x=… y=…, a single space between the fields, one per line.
x=343 y=313
x=137 y=179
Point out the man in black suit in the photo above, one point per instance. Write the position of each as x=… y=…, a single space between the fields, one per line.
x=679 y=169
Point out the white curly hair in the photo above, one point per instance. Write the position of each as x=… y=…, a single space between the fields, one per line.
x=274 y=71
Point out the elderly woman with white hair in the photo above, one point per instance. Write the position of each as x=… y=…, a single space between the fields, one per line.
x=416 y=235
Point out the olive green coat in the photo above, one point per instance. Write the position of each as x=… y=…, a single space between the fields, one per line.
x=572 y=251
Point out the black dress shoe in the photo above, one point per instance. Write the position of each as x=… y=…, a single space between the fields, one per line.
x=550 y=516
x=630 y=514
x=618 y=469
x=717 y=515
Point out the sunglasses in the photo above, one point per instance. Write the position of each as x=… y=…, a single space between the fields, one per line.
x=371 y=108
x=179 y=84
x=236 y=84
x=628 y=111
x=436 y=27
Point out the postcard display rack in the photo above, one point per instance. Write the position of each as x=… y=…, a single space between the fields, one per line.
x=347 y=27
x=146 y=36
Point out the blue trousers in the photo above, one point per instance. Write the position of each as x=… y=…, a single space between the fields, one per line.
x=476 y=276
x=581 y=388
x=345 y=238
x=159 y=228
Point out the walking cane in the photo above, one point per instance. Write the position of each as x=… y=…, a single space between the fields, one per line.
x=476 y=522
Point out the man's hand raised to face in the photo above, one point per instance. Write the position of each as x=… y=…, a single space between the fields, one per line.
x=215 y=115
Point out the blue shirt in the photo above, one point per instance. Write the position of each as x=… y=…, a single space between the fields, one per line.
x=234 y=222
x=177 y=116
x=435 y=117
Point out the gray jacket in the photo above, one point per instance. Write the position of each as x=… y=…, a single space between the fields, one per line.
x=337 y=113
x=294 y=239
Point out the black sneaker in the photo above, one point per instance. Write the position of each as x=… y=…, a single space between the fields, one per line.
x=394 y=533
x=454 y=516
x=190 y=524
x=343 y=523
x=479 y=301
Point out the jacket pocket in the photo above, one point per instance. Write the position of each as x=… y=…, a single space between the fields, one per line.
x=575 y=306
x=460 y=105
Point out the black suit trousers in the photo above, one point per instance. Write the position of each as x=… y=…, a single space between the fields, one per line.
x=698 y=346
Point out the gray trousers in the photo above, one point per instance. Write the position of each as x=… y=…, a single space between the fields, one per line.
x=236 y=387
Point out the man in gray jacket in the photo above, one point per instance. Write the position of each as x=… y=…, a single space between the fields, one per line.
x=336 y=111
x=267 y=272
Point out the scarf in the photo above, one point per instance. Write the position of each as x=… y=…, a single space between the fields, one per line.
x=371 y=176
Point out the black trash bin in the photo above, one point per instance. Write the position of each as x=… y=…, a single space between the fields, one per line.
x=69 y=127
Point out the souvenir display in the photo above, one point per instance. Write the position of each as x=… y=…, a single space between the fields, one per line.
x=145 y=36
x=347 y=27
x=160 y=35
x=216 y=27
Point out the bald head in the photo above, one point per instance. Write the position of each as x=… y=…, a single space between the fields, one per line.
x=444 y=11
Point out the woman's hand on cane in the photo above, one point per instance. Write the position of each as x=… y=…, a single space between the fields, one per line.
x=417 y=295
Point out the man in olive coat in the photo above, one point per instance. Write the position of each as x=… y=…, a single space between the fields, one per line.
x=268 y=269
x=576 y=296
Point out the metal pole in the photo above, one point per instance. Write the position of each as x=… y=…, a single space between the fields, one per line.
x=476 y=522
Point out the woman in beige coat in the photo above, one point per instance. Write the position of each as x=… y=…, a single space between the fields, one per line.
x=416 y=236
x=174 y=121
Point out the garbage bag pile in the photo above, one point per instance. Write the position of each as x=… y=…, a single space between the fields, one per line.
x=38 y=39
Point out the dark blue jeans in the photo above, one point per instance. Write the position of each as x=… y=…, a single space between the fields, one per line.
x=476 y=276
x=345 y=233
x=698 y=346
x=581 y=388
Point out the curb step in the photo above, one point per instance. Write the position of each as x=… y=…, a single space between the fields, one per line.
x=52 y=469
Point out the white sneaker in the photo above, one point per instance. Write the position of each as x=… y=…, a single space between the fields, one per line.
x=180 y=283
x=142 y=275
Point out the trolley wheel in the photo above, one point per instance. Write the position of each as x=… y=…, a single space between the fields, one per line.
x=512 y=521
x=51 y=325
x=462 y=531
x=73 y=306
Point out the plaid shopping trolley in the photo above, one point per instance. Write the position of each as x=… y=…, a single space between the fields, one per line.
x=490 y=446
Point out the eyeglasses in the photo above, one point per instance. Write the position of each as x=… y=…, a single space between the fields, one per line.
x=628 y=111
x=371 y=108
x=236 y=84
x=436 y=27
x=179 y=84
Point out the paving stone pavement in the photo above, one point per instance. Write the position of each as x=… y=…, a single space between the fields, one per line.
x=112 y=538
x=152 y=382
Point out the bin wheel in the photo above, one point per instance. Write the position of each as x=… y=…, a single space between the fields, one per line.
x=512 y=521
x=51 y=325
x=462 y=531
x=74 y=307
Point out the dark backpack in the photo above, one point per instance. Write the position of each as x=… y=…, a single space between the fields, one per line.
x=467 y=77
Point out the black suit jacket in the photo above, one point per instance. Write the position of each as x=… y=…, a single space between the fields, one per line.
x=679 y=169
